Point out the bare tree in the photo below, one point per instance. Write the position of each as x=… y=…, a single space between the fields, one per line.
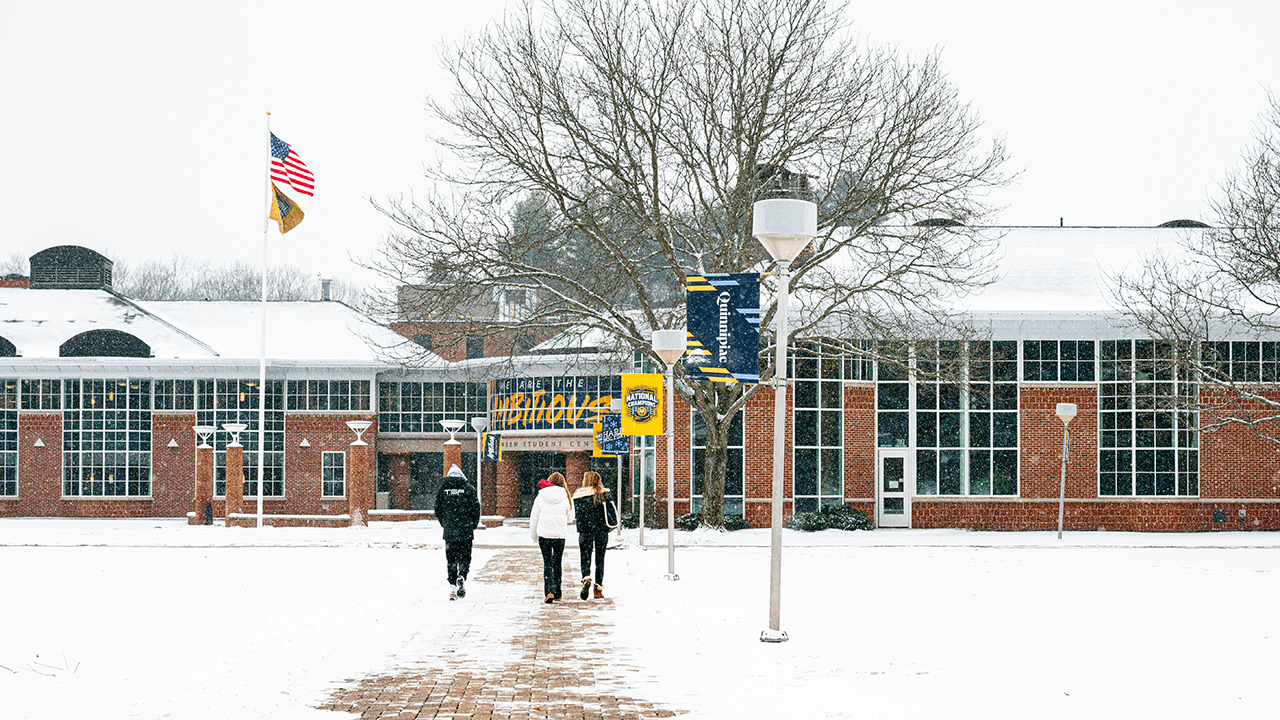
x=15 y=265
x=1221 y=283
x=181 y=278
x=602 y=150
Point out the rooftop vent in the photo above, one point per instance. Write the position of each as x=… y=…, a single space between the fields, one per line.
x=70 y=267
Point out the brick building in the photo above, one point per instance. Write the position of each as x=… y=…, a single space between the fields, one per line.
x=101 y=395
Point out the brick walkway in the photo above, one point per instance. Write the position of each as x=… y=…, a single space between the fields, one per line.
x=509 y=656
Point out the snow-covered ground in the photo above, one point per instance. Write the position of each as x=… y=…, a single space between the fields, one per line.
x=153 y=619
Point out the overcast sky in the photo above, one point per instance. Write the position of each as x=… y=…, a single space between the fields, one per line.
x=139 y=129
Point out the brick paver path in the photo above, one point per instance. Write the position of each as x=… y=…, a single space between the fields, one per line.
x=508 y=656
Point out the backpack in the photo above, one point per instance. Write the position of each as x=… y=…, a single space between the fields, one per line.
x=610 y=514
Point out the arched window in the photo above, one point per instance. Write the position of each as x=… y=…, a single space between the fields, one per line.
x=104 y=343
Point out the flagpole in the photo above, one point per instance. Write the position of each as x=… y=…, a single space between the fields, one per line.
x=262 y=357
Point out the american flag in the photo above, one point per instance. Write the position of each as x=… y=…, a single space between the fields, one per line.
x=288 y=168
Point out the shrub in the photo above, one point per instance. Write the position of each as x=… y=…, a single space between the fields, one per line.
x=691 y=521
x=837 y=517
x=655 y=515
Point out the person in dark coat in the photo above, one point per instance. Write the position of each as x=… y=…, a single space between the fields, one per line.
x=595 y=514
x=458 y=510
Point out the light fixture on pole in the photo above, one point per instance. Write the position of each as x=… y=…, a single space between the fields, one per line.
x=358 y=427
x=203 y=432
x=670 y=345
x=784 y=227
x=1066 y=411
x=479 y=423
x=452 y=427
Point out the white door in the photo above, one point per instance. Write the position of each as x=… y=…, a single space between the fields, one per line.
x=895 y=473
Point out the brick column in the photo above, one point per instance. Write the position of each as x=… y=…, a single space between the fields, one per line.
x=489 y=497
x=452 y=454
x=507 y=492
x=204 y=486
x=360 y=481
x=575 y=464
x=235 y=480
x=399 y=465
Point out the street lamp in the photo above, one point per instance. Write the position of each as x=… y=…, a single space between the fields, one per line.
x=784 y=226
x=615 y=407
x=480 y=423
x=1066 y=411
x=670 y=345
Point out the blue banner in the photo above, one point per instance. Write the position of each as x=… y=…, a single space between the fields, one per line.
x=492 y=447
x=610 y=437
x=723 y=313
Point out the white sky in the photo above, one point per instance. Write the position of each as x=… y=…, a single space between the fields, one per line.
x=139 y=128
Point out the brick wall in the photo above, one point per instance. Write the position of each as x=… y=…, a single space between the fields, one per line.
x=303 y=468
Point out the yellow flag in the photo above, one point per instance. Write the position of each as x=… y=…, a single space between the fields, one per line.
x=642 y=403
x=284 y=211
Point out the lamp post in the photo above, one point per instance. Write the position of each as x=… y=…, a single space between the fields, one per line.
x=480 y=423
x=1066 y=411
x=670 y=345
x=784 y=226
x=615 y=407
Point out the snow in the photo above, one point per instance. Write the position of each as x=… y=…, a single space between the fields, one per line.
x=153 y=618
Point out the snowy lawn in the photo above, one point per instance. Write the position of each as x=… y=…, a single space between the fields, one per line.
x=152 y=619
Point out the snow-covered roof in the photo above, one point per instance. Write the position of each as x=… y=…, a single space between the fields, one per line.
x=38 y=322
x=1056 y=269
x=316 y=330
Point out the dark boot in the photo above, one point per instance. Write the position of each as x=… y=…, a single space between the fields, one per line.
x=462 y=590
x=586 y=588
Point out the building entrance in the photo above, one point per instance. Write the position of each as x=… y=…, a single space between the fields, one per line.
x=895 y=475
x=535 y=466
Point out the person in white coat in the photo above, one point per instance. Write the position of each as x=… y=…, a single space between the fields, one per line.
x=549 y=525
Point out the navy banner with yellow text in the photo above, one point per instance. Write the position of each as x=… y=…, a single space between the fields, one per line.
x=723 y=312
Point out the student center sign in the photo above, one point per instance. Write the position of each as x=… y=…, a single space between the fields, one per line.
x=100 y=395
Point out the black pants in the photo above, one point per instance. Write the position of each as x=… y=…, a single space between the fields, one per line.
x=593 y=543
x=552 y=559
x=457 y=556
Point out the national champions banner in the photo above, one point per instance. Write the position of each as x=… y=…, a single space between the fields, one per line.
x=641 y=403
x=723 y=315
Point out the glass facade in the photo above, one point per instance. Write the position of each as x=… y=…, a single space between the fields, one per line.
x=818 y=425
x=223 y=401
x=106 y=438
x=1148 y=439
x=8 y=438
x=733 y=488
x=418 y=407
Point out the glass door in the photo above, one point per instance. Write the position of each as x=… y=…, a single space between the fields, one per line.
x=895 y=472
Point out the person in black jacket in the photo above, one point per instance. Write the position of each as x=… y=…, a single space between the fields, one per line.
x=458 y=510
x=595 y=514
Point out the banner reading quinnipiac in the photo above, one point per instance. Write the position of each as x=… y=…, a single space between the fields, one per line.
x=641 y=404
x=723 y=314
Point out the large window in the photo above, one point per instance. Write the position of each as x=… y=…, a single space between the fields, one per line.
x=224 y=401
x=967 y=425
x=329 y=395
x=1147 y=438
x=418 y=407
x=818 y=427
x=175 y=394
x=8 y=438
x=41 y=394
x=1242 y=361
x=333 y=474
x=106 y=438
x=733 y=488
x=1058 y=360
